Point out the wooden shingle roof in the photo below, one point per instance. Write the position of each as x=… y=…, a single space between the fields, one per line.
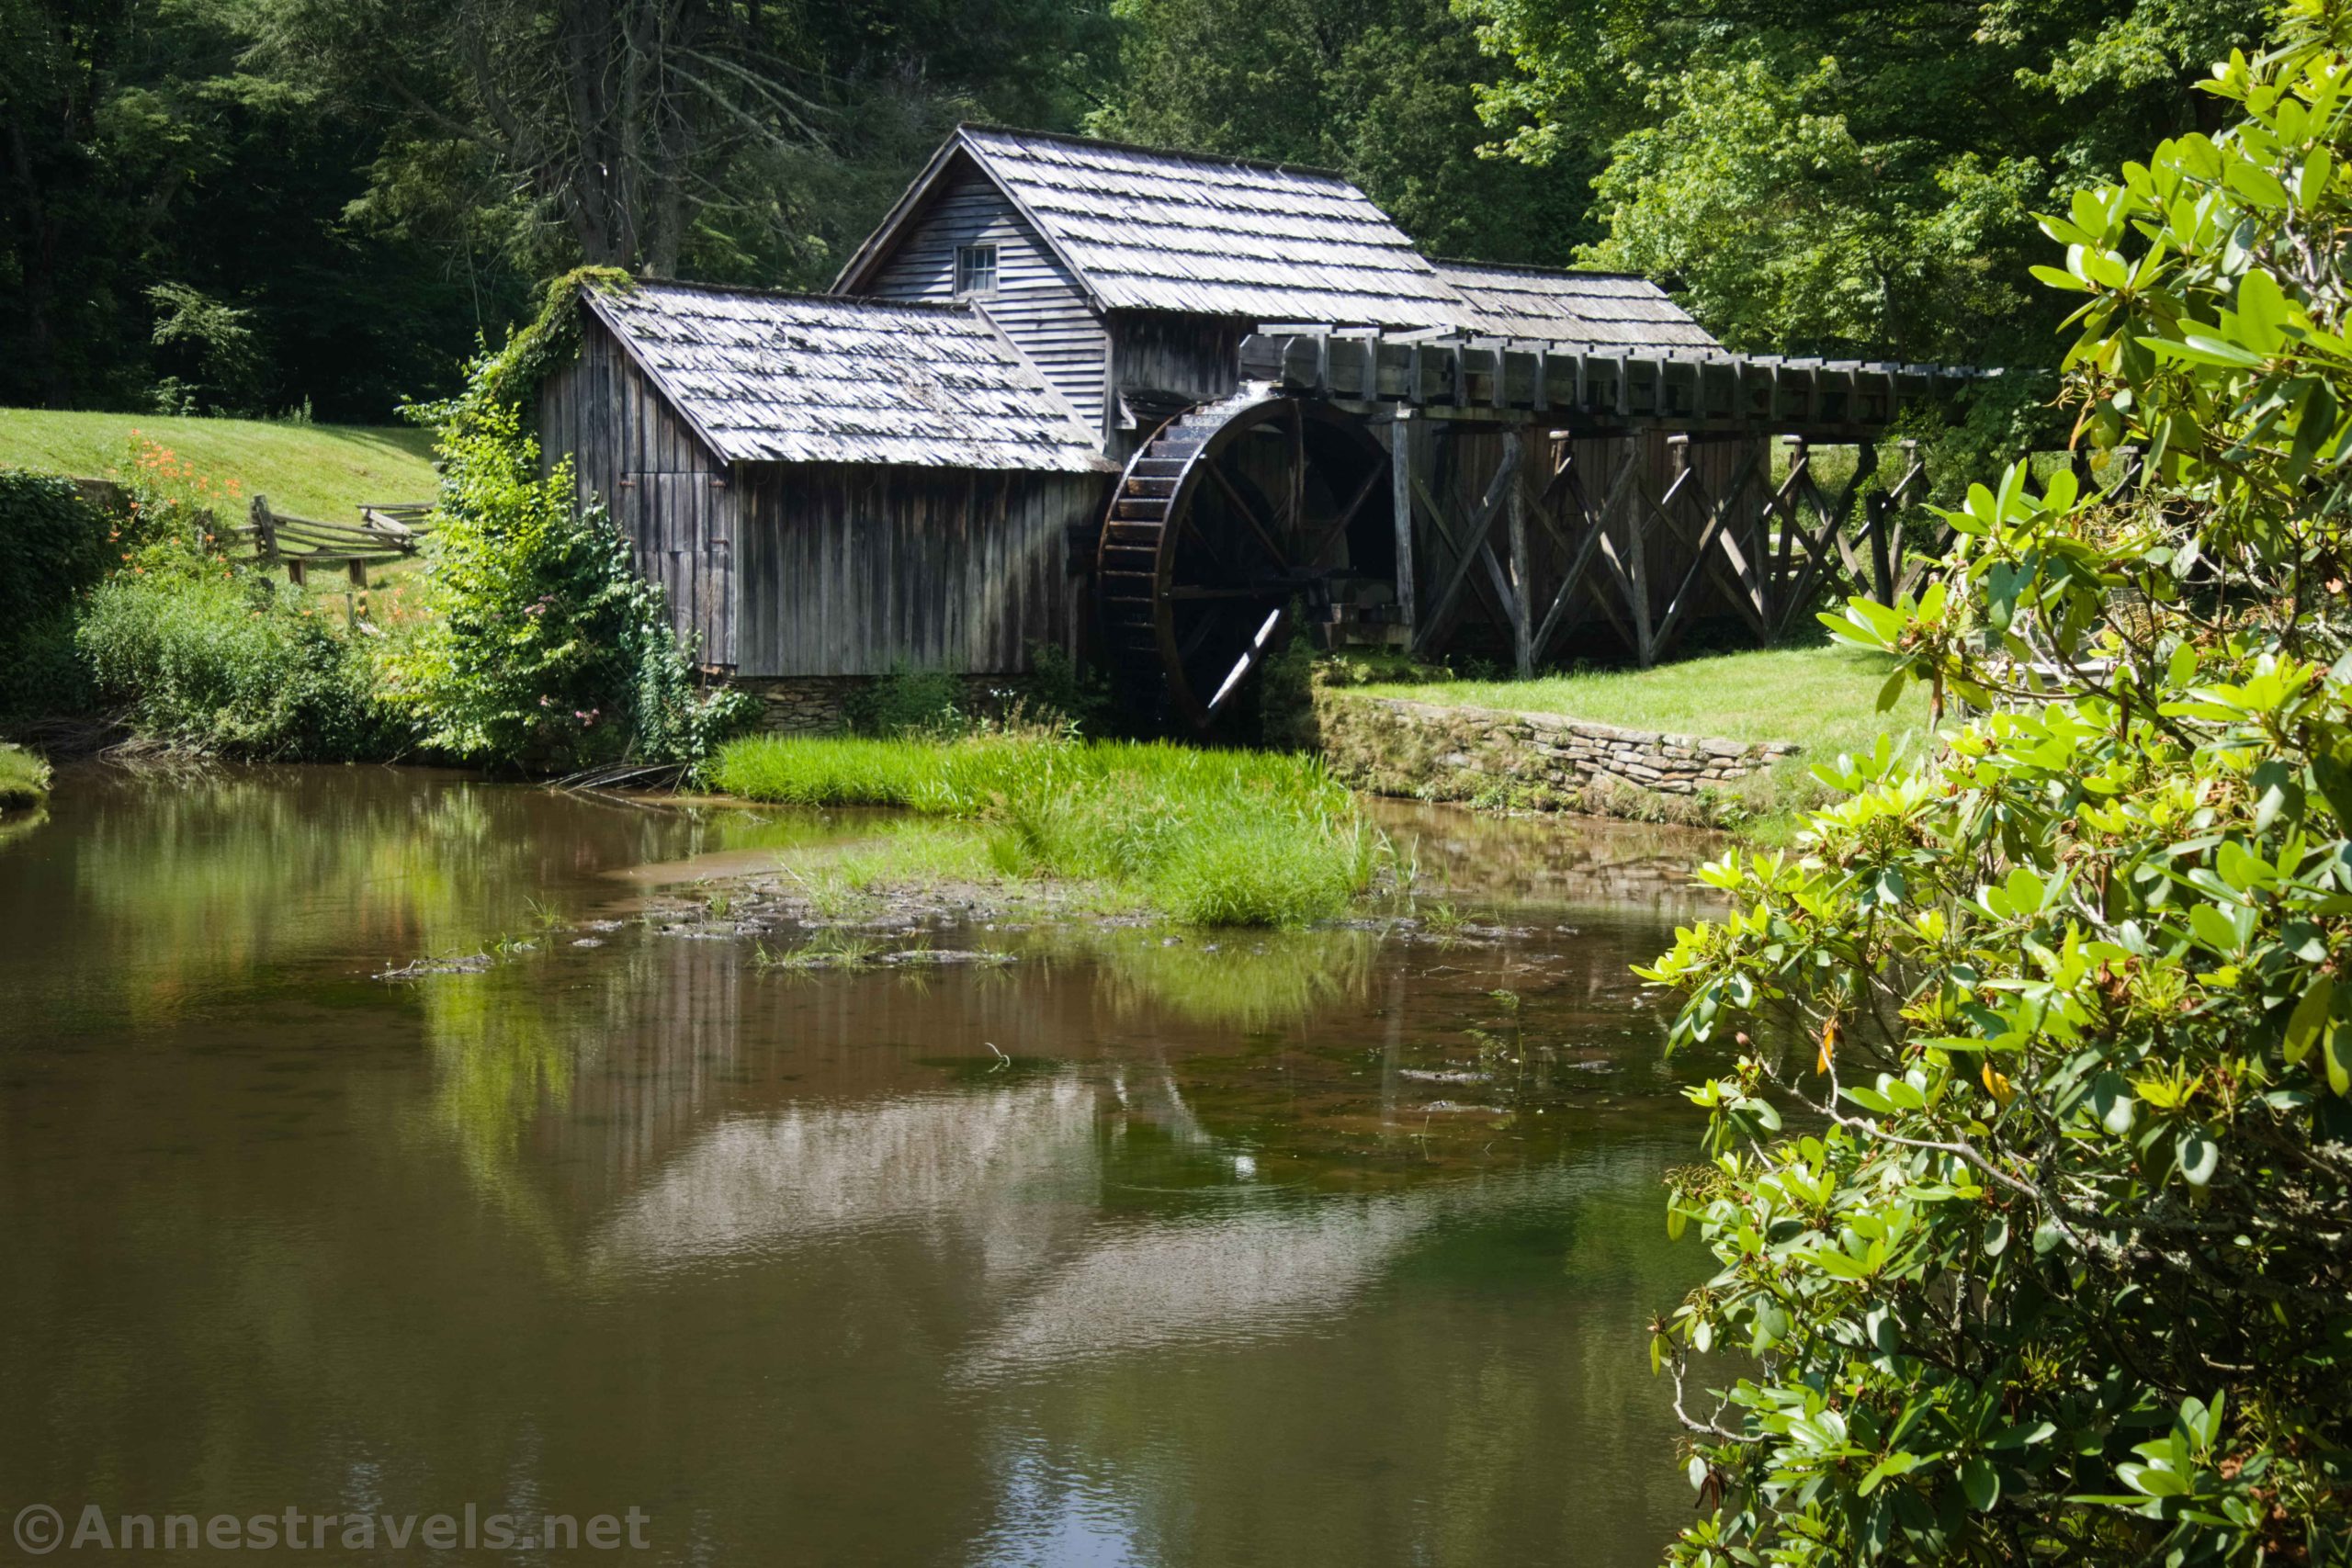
x=1148 y=230
x=1612 y=310
x=817 y=378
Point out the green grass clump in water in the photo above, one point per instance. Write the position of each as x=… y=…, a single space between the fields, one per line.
x=24 y=779
x=1210 y=837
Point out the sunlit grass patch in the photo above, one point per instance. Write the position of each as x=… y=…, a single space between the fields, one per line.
x=1822 y=699
x=311 y=471
x=1210 y=837
x=24 y=779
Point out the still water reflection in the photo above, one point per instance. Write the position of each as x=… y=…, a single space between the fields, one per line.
x=1331 y=1248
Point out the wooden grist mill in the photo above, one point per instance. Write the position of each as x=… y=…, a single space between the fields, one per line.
x=1164 y=412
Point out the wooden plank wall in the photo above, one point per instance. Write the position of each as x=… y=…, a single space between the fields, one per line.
x=670 y=496
x=1195 y=356
x=847 y=571
x=1038 y=303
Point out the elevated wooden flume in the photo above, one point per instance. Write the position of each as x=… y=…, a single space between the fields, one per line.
x=1534 y=491
x=1450 y=375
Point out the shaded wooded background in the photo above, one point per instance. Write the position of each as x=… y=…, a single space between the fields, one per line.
x=265 y=206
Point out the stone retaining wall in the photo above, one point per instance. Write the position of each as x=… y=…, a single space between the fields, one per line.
x=810 y=705
x=1533 y=761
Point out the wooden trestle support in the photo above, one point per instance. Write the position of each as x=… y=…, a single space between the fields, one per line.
x=1537 y=491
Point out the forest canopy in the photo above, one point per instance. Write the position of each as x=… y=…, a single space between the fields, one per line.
x=279 y=205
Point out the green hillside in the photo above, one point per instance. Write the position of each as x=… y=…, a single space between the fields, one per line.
x=309 y=470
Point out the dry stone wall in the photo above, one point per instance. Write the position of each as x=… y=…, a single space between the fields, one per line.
x=1533 y=761
x=816 y=704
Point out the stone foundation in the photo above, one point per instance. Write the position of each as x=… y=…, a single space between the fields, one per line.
x=1533 y=761
x=814 y=705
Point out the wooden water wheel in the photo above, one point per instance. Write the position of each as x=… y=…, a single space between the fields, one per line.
x=1225 y=518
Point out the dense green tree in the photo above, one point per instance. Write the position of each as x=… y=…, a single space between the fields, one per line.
x=255 y=206
x=1385 y=93
x=1848 y=179
x=737 y=140
x=2053 y=1266
x=172 y=227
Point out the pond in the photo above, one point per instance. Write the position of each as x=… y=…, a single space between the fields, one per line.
x=1124 y=1246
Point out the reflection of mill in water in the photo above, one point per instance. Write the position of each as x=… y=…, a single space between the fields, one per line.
x=727 y=1115
x=1013 y=1178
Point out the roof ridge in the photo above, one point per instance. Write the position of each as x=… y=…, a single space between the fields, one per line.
x=1075 y=140
x=1546 y=271
x=814 y=296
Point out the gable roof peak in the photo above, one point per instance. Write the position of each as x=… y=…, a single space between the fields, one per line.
x=1273 y=166
x=1146 y=229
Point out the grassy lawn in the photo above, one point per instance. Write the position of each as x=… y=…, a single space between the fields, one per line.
x=309 y=470
x=1822 y=699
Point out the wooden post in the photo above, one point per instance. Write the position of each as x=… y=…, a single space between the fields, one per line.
x=1522 y=613
x=358 y=572
x=265 y=530
x=294 y=570
x=1637 y=562
x=1878 y=509
x=1400 y=502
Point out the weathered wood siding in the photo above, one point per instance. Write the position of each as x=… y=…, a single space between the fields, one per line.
x=673 y=501
x=848 y=570
x=1199 y=356
x=1038 y=303
x=1157 y=354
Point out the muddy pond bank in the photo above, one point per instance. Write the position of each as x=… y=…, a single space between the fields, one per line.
x=1324 y=1247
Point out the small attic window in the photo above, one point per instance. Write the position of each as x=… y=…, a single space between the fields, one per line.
x=974 y=269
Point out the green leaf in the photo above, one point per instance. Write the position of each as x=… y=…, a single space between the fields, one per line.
x=2213 y=927
x=2150 y=1482
x=1981 y=1482
x=2023 y=1437
x=2201 y=349
x=2311 y=184
x=1891 y=692
x=2105 y=268
x=2262 y=312
x=2303 y=1025
x=1895 y=1463
x=2254 y=183
x=2200 y=1156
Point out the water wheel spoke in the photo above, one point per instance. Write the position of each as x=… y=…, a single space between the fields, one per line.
x=1215 y=557
x=1250 y=515
x=1296 y=521
x=1339 y=524
x=1199 y=635
x=1258 y=644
